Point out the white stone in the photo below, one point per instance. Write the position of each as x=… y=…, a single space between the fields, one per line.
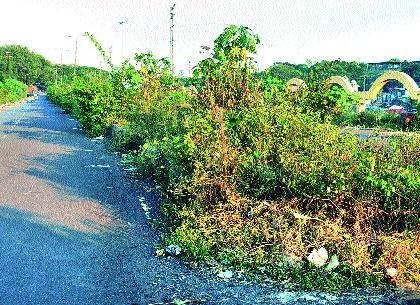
x=173 y=250
x=318 y=257
x=391 y=272
x=323 y=254
x=225 y=274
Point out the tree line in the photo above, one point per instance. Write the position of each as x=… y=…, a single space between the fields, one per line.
x=20 y=63
x=361 y=72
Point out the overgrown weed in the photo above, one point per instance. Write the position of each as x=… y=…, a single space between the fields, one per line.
x=257 y=178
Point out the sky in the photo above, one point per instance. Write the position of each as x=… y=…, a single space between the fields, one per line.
x=290 y=30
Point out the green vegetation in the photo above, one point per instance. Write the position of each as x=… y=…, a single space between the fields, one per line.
x=256 y=177
x=20 y=67
x=358 y=71
x=324 y=69
x=380 y=119
x=12 y=90
x=20 y=63
x=371 y=119
x=412 y=69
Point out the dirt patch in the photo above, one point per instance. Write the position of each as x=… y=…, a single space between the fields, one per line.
x=374 y=132
x=7 y=106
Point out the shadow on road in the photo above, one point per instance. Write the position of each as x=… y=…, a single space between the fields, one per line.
x=51 y=155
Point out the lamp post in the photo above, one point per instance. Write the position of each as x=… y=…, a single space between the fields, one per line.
x=171 y=37
x=62 y=68
x=121 y=23
x=75 y=54
x=9 y=57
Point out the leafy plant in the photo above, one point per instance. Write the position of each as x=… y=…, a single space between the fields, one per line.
x=12 y=90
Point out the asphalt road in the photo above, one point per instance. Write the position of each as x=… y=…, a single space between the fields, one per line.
x=72 y=230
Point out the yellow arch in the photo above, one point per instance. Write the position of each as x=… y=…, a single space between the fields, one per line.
x=403 y=78
x=294 y=84
x=342 y=82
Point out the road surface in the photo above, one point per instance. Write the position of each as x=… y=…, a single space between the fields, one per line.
x=72 y=230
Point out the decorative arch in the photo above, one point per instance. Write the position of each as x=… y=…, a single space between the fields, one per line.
x=413 y=89
x=343 y=82
x=403 y=78
x=295 y=84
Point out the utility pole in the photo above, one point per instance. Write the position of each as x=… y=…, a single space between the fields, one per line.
x=364 y=82
x=110 y=53
x=75 y=55
x=171 y=38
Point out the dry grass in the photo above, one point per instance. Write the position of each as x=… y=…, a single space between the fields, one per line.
x=264 y=233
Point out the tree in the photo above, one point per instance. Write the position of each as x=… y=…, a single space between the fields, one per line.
x=20 y=63
x=235 y=43
x=286 y=71
x=412 y=69
x=351 y=70
x=323 y=69
x=228 y=74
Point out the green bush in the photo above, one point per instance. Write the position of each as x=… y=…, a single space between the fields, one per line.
x=61 y=95
x=12 y=90
x=371 y=119
x=240 y=161
x=91 y=100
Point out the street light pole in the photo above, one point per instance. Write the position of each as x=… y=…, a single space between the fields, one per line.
x=9 y=58
x=55 y=75
x=75 y=55
x=171 y=36
x=62 y=68
x=75 y=58
x=121 y=23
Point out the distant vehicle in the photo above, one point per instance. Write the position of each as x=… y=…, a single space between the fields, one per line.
x=32 y=94
x=396 y=109
x=32 y=91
